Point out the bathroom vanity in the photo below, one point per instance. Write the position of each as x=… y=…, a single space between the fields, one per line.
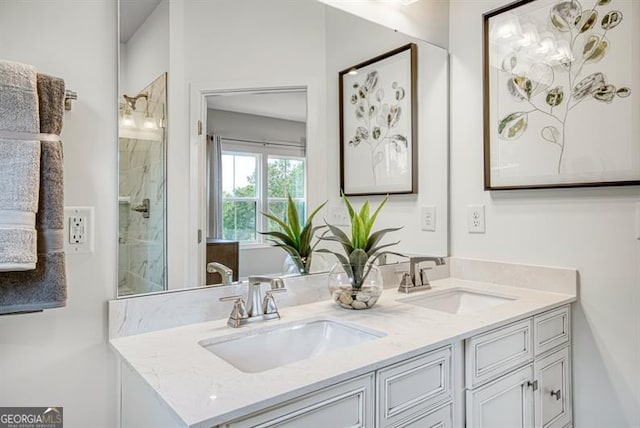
x=468 y=352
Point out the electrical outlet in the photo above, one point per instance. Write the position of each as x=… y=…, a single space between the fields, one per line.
x=428 y=218
x=475 y=219
x=339 y=216
x=78 y=223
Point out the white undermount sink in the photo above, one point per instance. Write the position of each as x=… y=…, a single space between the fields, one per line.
x=457 y=301
x=264 y=350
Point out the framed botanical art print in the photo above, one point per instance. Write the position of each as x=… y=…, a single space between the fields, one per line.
x=378 y=124
x=561 y=87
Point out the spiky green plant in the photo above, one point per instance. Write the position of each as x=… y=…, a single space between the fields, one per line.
x=294 y=238
x=363 y=247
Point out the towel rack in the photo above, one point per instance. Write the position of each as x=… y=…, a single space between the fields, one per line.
x=68 y=97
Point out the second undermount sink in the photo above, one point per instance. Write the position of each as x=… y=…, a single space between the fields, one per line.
x=458 y=301
x=283 y=345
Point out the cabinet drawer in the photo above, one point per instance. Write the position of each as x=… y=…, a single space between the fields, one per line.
x=348 y=404
x=496 y=352
x=441 y=417
x=413 y=386
x=551 y=329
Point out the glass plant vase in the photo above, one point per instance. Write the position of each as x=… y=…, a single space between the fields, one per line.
x=296 y=265
x=353 y=291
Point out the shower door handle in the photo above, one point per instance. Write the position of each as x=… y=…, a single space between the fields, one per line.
x=144 y=208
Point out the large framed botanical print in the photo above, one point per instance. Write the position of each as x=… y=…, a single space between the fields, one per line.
x=378 y=124
x=561 y=87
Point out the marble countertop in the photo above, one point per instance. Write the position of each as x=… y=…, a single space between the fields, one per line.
x=203 y=390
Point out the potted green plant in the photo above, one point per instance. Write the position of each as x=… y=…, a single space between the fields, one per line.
x=294 y=238
x=355 y=282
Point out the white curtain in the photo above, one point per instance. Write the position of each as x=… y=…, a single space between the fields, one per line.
x=214 y=180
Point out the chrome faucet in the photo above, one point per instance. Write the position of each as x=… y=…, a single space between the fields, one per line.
x=259 y=308
x=225 y=272
x=415 y=281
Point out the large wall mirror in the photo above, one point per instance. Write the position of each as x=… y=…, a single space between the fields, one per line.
x=247 y=116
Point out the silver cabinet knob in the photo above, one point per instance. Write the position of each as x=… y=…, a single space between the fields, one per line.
x=557 y=394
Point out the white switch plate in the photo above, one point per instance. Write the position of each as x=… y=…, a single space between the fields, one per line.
x=428 y=218
x=78 y=230
x=475 y=219
x=339 y=216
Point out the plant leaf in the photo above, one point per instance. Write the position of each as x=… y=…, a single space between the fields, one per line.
x=377 y=236
x=376 y=249
x=564 y=15
x=588 y=86
x=513 y=125
x=372 y=220
x=349 y=207
x=605 y=93
x=555 y=96
x=595 y=48
x=611 y=20
x=364 y=212
x=623 y=92
x=522 y=86
x=282 y=224
x=358 y=259
x=294 y=221
x=340 y=237
x=283 y=238
x=551 y=134
x=587 y=20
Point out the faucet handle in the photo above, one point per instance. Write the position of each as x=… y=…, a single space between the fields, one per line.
x=239 y=311
x=269 y=303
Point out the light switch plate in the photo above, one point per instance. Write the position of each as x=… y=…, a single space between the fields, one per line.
x=78 y=230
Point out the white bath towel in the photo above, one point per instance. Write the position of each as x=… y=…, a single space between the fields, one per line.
x=19 y=167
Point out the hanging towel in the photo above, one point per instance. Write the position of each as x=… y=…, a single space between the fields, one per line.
x=19 y=167
x=45 y=287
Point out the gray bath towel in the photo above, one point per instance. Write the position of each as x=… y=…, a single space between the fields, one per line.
x=45 y=287
x=19 y=167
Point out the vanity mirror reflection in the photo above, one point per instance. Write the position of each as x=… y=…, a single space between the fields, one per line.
x=253 y=97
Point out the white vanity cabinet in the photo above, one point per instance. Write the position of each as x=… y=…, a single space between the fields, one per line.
x=413 y=393
x=519 y=375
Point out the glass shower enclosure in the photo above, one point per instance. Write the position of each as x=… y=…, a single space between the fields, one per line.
x=142 y=190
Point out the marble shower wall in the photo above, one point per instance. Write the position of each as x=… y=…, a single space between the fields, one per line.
x=141 y=264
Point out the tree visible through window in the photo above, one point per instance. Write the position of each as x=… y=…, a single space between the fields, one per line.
x=252 y=183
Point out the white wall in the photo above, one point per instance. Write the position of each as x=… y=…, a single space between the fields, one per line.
x=425 y=19
x=145 y=56
x=258 y=128
x=592 y=230
x=60 y=357
x=351 y=40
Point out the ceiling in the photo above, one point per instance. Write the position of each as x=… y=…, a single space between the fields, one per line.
x=280 y=105
x=133 y=13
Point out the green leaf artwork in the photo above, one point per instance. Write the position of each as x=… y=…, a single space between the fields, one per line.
x=379 y=110
x=552 y=87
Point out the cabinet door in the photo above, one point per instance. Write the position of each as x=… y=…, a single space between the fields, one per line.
x=441 y=417
x=504 y=403
x=553 y=396
x=348 y=404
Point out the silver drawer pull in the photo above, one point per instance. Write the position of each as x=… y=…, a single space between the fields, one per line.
x=557 y=394
x=533 y=384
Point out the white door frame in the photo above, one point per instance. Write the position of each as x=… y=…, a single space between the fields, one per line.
x=316 y=156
